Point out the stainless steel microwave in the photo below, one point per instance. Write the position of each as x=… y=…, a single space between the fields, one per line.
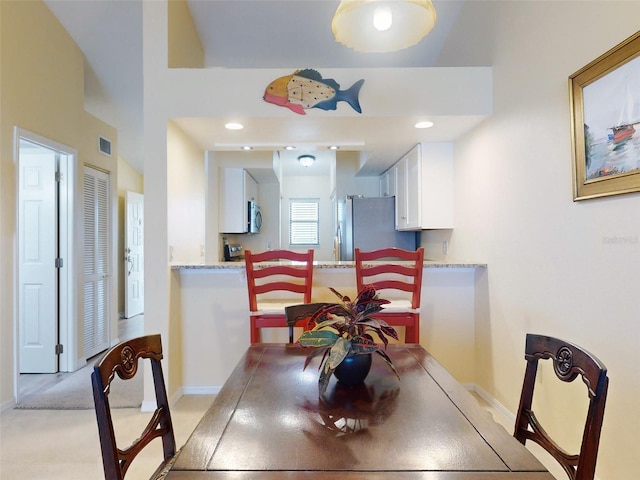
x=255 y=218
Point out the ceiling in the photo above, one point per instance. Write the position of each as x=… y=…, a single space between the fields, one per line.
x=258 y=34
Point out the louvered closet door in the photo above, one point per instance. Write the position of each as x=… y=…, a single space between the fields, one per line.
x=96 y=261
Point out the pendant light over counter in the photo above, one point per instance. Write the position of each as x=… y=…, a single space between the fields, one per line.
x=380 y=26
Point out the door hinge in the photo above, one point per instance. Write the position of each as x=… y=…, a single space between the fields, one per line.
x=59 y=262
x=59 y=349
x=58 y=177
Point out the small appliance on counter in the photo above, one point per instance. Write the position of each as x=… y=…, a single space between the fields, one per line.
x=233 y=252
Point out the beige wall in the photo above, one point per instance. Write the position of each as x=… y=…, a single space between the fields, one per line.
x=42 y=92
x=185 y=49
x=186 y=197
x=550 y=268
x=186 y=220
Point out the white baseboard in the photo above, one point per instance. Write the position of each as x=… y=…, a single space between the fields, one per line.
x=209 y=390
x=506 y=417
x=175 y=397
x=80 y=362
x=150 y=405
x=7 y=405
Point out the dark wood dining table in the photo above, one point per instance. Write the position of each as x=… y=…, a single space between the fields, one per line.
x=269 y=422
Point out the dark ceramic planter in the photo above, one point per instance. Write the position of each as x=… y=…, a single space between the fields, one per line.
x=353 y=369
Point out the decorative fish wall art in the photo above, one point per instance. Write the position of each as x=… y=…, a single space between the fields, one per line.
x=307 y=89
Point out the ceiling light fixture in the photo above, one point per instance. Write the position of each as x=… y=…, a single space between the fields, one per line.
x=233 y=126
x=382 y=18
x=289 y=147
x=379 y=26
x=306 y=160
x=334 y=147
x=247 y=147
x=425 y=124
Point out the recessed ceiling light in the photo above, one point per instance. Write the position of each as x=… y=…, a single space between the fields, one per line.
x=233 y=126
x=334 y=147
x=289 y=147
x=247 y=147
x=424 y=125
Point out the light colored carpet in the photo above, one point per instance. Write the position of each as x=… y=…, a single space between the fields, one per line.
x=64 y=445
x=75 y=393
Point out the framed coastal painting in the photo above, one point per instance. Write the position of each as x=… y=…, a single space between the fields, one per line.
x=605 y=123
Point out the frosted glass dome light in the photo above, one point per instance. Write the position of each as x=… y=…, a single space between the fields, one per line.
x=380 y=26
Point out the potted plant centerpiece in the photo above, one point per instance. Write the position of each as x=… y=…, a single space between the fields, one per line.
x=342 y=335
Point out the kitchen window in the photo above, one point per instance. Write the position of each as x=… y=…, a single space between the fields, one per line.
x=304 y=221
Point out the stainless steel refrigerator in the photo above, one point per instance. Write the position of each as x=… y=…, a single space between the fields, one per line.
x=368 y=224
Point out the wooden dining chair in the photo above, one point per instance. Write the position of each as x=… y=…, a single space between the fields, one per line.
x=400 y=272
x=299 y=316
x=569 y=361
x=122 y=360
x=276 y=279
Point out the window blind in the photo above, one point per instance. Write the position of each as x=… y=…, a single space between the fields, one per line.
x=304 y=222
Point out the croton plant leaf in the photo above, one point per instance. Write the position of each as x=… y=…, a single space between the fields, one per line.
x=341 y=328
x=338 y=352
x=318 y=338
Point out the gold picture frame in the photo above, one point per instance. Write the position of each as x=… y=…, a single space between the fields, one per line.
x=605 y=123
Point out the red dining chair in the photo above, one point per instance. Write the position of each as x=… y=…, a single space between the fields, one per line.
x=275 y=280
x=122 y=360
x=399 y=272
x=569 y=362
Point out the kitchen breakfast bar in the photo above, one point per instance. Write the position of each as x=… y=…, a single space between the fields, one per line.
x=207 y=301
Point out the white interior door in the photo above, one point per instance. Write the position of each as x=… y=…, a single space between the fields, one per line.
x=96 y=261
x=134 y=255
x=38 y=279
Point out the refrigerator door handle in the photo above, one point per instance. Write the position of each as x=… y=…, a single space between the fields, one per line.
x=336 y=248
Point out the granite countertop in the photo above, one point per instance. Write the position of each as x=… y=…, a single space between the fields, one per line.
x=239 y=265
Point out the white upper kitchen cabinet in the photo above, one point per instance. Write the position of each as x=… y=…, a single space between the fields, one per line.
x=236 y=189
x=424 y=188
x=400 y=175
x=388 y=183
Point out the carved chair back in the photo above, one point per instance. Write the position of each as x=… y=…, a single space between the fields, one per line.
x=569 y=362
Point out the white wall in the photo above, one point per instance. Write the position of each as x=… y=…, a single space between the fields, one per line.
x=347 y=183
x=550 y=268
x=309 y=187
